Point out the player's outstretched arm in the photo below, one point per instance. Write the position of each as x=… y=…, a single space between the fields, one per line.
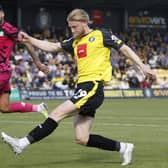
x=44 y=45
x=128 y=52
x=36 y=59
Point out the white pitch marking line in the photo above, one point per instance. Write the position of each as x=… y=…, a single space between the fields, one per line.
x=105 y=123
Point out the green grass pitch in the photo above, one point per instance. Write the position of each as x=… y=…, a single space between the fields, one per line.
x=141 y=121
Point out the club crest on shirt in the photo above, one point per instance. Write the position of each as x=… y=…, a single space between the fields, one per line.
x=91 y=39
x=1 y=33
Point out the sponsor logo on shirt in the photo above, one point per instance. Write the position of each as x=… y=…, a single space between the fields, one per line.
x=82 y=50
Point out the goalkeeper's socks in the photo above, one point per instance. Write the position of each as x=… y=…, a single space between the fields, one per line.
x=20 y=107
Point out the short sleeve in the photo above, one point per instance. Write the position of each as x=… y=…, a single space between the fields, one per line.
x=10 y=31
x=111 y=40
x=67 y=45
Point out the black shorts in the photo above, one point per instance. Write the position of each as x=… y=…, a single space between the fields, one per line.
x=88 y=97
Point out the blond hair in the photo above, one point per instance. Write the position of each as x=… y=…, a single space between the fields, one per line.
x=78 y=15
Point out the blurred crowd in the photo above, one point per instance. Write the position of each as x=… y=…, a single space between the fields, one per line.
x=151 y=46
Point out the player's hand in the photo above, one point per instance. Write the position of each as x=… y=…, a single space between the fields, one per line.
x=149 y=73
x=43 y=68
x=23 y=37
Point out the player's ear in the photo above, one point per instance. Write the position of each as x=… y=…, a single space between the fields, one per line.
x=2 y=14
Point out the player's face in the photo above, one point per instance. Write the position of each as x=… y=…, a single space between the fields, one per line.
x=77 y=28
x=1 y=17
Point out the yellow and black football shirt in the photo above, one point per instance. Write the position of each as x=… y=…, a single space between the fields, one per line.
x=92 y=54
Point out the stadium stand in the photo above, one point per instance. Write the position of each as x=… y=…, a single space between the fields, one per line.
x=63 y=70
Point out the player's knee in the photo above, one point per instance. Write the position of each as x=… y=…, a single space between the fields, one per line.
x=81 y=140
